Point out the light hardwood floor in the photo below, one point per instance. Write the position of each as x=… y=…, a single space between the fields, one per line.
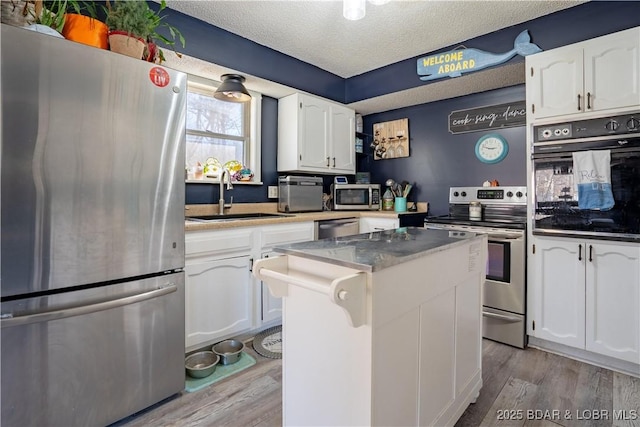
x=528 y=387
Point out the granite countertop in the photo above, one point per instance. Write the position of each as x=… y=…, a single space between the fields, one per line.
x=239 y=208
x=375 y=251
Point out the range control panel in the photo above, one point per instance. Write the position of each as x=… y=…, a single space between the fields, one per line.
x=624 y=124
x=516 y=195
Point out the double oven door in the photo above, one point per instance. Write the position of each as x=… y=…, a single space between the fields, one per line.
x=504 y=289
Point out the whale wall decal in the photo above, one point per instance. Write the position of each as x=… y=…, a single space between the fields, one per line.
x=457 y=62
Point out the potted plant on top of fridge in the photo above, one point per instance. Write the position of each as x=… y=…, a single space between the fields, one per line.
x=152 y=52
x=83 y=26
x=48 y=18
x=128 y=27
x=132 y=24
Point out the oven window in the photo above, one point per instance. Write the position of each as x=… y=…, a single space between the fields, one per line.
x=499 y=262
x=556 y=198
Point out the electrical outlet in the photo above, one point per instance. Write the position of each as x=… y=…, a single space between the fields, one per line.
x=273 y=192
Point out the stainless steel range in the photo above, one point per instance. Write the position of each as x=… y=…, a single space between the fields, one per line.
x=500 y=212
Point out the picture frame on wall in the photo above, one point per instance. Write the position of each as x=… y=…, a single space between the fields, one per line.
x=390 y=139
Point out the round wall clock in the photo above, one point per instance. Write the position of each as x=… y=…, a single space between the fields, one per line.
x=491 y=148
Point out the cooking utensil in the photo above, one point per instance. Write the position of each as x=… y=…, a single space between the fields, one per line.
x=406 y=190
x=201 y=364
x=393 y=186
x=229 y=351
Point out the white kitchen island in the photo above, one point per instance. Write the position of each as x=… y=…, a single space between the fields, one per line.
x=381 y=328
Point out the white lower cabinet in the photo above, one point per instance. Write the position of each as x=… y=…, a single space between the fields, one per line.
x=613 y=300
x=218 y=285
x=371 y=224
x=271 y=309
x=222 y=298
x=586 y=294
x=270 y=236
x=218 y=296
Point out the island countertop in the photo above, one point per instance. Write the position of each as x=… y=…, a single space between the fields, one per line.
x=375 y=251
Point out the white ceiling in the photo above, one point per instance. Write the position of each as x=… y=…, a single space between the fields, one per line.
x=314 y=31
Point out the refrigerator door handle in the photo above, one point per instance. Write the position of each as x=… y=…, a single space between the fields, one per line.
x=48 y=316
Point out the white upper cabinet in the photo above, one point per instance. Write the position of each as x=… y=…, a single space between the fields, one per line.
x=315 y=135
x=595 y=75
x=343 y=140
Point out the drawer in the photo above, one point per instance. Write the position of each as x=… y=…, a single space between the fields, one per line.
x=286 y=233
x=218 y=242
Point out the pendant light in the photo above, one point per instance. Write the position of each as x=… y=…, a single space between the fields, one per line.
x=232 y=89
x=353 y=9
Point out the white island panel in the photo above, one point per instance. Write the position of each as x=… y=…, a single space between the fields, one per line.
x=414 y=358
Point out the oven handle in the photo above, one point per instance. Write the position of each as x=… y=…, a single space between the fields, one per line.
x=501 y=316
x=506 y=237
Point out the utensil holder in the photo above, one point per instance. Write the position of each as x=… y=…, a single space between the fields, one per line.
x=400 y=204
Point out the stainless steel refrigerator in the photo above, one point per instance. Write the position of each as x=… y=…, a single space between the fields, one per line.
x=92 y=231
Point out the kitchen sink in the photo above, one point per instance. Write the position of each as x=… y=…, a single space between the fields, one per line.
x=234 y=217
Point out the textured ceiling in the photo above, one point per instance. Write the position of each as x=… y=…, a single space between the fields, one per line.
x=315 y=32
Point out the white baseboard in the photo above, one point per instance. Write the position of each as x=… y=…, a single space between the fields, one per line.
x=607 y=362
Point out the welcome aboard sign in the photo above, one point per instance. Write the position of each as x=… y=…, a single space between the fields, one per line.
x=459 y=61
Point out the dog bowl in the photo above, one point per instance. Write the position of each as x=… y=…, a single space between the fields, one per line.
x=229 y=351
x=201 y=364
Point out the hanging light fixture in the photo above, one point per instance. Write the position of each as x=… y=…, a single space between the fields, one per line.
x=353 y=9
x=232 y=89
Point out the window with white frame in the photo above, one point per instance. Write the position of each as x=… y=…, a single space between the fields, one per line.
x=220 y=130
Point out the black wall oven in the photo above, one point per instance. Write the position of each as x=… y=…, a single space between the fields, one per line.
x=557 y=210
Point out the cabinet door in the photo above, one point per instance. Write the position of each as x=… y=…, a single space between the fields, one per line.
x=271 y=306
x=555 y=82
x=343 y=134
x=612 y=71
x=613 y=300
x=558 y=291
x=314 y=133
x=218 y=299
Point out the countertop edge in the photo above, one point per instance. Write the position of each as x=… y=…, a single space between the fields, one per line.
x=291 y=218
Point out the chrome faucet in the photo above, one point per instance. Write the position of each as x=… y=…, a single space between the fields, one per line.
x=221 y=204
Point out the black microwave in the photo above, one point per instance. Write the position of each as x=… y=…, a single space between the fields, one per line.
x=356 y=197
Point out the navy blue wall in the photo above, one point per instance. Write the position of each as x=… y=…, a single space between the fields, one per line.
x=438 y=159
x=218 y=46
